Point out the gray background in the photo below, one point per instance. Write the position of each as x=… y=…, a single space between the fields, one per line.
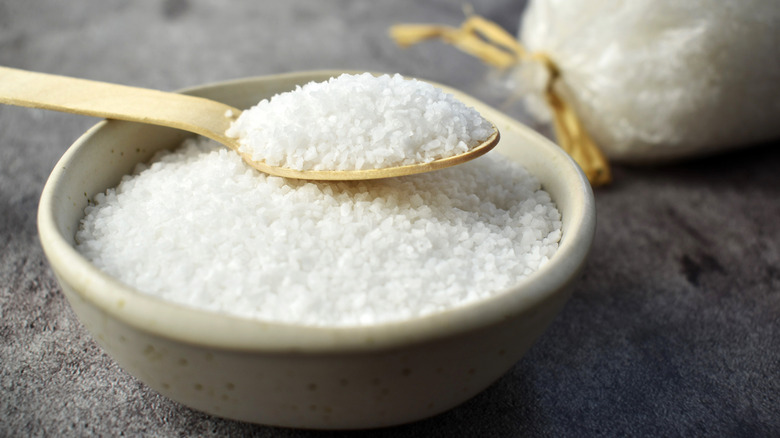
x=673 y=330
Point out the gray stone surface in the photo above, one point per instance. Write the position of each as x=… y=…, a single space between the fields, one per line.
x=673 y=330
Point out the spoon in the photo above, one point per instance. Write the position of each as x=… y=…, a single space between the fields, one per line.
x=202 y=116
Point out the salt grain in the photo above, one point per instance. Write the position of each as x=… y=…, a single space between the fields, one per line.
x=200 y=228
x=356 y=122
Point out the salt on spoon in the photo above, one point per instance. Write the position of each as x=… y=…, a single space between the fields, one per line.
x=214 y=119
x=364 y=126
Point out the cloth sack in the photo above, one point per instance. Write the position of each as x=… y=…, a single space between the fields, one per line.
x=663 y=79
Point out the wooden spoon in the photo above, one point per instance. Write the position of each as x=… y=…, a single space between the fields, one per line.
x=202 y=116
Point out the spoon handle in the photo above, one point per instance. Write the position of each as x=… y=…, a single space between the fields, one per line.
x=100 y=99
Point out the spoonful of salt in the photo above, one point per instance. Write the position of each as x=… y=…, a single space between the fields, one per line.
x=349 y=128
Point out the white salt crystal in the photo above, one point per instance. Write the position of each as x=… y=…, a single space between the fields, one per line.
x=355 y=122
x=200 y=228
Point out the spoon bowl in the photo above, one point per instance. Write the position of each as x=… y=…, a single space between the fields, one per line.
x=386 y=172
x=202 y=116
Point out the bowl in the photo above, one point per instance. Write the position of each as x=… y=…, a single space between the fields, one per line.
x=302 y=376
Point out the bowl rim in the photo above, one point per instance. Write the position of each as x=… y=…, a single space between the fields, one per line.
x=173 y=321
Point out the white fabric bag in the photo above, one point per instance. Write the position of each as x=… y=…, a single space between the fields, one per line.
x=655 y=80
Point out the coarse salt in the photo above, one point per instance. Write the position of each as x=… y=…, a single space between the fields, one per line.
x=200 y=228
x=356 y=122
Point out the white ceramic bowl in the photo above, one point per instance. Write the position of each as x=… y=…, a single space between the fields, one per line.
x=287 y=375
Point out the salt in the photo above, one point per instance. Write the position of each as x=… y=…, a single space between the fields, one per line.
x=200 y=228
x=356 y=122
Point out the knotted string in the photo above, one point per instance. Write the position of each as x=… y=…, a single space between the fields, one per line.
x=493 y=45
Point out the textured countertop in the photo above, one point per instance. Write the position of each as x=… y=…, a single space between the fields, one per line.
x=672 y=331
